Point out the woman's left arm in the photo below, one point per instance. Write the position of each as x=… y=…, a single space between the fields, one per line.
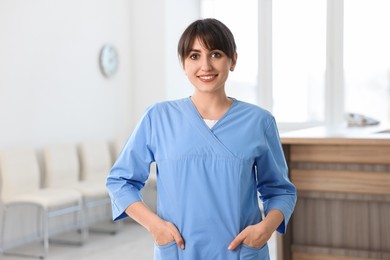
x=277 y=192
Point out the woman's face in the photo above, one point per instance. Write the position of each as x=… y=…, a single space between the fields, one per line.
x=206 y=69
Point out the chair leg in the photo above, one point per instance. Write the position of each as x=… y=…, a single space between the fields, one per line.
x=45 y=225
x=43 y=232
x=84 y=224
x=2 y=238
x=80 y=224
x=39 y=224
x=115 y=226
x=4 y=214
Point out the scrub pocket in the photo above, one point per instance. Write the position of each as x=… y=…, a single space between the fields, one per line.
x=166 y=252
x=251 y=253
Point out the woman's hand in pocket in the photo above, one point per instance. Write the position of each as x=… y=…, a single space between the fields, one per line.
x=165 y=232
x=162 y=231
x=254 y=236
x=257 y=235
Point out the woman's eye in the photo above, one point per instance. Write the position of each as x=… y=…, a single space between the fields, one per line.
x=194 y=56
x=216 y=55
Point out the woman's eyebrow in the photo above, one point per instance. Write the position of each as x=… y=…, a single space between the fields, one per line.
x=195 y=50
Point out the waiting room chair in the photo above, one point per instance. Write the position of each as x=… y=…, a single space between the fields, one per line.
x=20 y=186
x=62 y=168
x=96 y=161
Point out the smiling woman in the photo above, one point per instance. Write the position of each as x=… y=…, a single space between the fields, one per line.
x=209 y=176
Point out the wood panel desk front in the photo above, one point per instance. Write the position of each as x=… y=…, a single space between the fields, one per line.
x=343 y=181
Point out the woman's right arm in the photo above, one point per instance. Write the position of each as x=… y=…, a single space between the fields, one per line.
x=162 y=231
x=126 y=179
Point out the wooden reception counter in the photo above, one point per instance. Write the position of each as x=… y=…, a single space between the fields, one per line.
x=342 y=176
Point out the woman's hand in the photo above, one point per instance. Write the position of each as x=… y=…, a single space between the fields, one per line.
x=257 y=235
x=162 y=231
x=165 y=232
x=253 y=236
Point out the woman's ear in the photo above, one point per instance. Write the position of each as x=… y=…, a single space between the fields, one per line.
x=234 y=61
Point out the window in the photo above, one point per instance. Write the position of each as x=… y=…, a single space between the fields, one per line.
x=298 y=59
x=367 y=57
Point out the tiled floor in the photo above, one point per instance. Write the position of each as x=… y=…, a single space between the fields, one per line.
x=132 y=243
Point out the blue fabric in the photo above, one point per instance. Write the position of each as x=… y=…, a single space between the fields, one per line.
x=208 y=180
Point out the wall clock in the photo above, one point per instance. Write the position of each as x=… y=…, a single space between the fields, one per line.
x=108 y=60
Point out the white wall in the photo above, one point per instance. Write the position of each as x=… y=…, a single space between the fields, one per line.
x=51 y=88
x=148 y=54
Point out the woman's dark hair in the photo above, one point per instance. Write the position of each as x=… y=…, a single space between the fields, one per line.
x=213 y=35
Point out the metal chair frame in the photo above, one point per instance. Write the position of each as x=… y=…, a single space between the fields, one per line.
x=43 y=226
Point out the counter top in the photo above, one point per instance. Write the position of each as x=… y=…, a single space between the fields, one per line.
x=369 y=135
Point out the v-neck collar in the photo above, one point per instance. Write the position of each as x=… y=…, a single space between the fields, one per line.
x=200 y=118
x=201 y=126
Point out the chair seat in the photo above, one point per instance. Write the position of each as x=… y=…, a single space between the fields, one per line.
x=48 y=198
x=91 y=190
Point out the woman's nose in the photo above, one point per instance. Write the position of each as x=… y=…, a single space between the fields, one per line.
x=206 y=64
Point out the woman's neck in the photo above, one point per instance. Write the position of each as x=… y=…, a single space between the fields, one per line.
x=211 y=106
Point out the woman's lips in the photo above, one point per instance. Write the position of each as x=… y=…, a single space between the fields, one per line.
x=207 y=78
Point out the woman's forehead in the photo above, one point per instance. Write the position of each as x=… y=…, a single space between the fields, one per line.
x=205 y=43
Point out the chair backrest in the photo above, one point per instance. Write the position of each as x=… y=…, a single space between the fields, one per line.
x=96 y=160
x=20 y=172
x=62 y=166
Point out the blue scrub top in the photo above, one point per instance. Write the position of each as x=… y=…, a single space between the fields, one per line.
x=208 y=180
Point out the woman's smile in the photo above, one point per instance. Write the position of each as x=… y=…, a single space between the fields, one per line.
x=207 y=78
